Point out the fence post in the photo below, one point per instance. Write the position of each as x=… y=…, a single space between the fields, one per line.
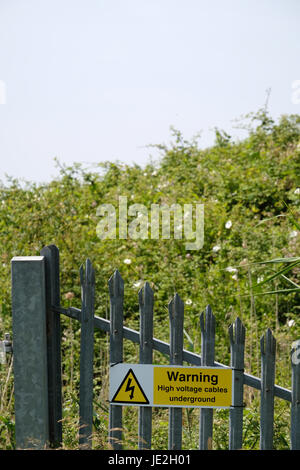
x=295 y=406
x=87 y=280
x=146 y=354
x=51 y=255
x=116 y=292
x=176 y=314
x=237 y=348
x=268 y=353
x=30 y=352
x=207 y=359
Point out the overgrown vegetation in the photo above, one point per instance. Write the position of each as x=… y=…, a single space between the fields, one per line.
x=248 y=189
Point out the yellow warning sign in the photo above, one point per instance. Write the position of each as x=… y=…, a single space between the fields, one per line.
x=192 y=386
x=179 y=386
x=130 y=391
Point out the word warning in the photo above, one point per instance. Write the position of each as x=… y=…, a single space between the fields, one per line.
x=170 y=386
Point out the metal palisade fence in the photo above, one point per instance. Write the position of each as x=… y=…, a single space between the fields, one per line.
x=36 y=338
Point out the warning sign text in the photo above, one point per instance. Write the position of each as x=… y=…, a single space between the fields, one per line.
x=192 y=386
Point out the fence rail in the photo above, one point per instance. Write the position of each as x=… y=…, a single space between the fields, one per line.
x=37 y=360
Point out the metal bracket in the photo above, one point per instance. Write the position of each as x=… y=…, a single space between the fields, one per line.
x=5 y=348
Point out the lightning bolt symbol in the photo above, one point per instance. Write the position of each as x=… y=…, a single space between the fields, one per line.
x=130 y=388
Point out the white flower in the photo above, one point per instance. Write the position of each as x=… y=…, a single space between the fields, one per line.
x=234 y=277
x=138 y=283
x=230 y=269
x=228 y=224
x=297 y=191
x=188 y=302
x=127 y=261
x=260 y=279
x=154 y=173
x=291 y=323
x=216 y=248
x=293 y=234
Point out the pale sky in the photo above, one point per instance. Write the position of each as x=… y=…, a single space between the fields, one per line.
x=94 y=80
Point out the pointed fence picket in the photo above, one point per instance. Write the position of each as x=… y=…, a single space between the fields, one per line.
x=146 y=300
x=116 y=293
x=208 y=329
x=38 y=418
x=176 y=312
x=268 y=352
x=237 y=348
x=52 y=281
x=87 y=280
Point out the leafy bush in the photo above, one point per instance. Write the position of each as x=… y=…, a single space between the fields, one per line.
x=247 y=188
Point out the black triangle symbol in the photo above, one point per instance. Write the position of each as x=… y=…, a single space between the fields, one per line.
x=115 y=399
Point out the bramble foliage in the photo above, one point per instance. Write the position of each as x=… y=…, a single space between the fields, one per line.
x=246 y=187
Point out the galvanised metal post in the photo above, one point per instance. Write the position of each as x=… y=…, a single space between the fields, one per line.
x=30 y=352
